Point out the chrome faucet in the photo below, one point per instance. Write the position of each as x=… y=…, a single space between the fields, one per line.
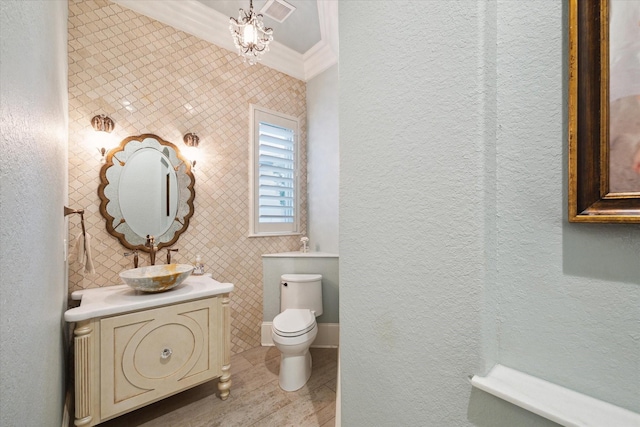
x=151 y=244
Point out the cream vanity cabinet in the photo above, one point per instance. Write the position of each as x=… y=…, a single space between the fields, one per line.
x=132 y=349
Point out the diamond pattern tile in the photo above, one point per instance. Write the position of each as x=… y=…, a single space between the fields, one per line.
x=175 y=83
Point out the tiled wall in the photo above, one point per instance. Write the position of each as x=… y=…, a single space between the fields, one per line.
x=176 y=83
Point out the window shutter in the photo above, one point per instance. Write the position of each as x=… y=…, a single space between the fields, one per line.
x=276 y=174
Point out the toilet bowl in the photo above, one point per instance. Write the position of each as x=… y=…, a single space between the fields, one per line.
x=295 y=328
x=292 y=332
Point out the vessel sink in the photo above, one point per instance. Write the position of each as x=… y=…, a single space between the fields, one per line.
x=156 y=278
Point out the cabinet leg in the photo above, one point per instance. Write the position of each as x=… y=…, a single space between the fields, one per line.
x=83 y=347
x=82 y=422
x=225 y=382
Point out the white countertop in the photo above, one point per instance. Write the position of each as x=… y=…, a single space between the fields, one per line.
x=110 y=300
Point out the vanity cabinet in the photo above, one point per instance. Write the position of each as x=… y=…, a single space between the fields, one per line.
x=132 y=349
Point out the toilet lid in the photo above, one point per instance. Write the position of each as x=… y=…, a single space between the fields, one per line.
x=293 y=322
x=301 y=278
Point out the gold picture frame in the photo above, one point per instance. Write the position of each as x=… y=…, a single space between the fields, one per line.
x=590 y=198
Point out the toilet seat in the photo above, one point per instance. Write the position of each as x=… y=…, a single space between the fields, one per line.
x=294 y=322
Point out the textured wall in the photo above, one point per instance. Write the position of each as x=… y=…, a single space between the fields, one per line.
x=176 y=84
x=33 y=188
x=455 y=249
x=324 y=163
x=569 y=294
x=411 y=212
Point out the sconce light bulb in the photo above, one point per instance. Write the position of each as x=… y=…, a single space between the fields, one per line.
x=103 y=126
x=192 y=154
x=191 y=140
x=103 y=152
x=103 y=142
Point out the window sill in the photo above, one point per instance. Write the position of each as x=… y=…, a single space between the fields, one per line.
x=274 y=234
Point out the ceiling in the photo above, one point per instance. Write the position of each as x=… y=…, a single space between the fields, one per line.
x=300 y=31
x=304 y=45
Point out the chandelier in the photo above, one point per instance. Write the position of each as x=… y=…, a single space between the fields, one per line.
x=249 y=35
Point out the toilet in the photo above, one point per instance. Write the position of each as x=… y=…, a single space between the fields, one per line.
x=295 y=328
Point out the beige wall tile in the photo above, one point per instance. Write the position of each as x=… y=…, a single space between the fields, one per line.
x=117 y=54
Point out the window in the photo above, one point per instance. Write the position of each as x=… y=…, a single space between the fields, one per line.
x=273 y=173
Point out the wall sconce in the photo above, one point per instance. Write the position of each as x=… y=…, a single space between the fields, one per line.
x=103 y=125
x=191 y=140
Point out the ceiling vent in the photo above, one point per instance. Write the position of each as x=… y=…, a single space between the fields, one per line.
x=278 y=10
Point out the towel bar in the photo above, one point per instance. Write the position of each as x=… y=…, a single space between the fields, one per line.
x=68 y=211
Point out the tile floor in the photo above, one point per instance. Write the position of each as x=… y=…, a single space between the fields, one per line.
x=255 y=400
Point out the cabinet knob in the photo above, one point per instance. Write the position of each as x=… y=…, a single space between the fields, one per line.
x=166 y=353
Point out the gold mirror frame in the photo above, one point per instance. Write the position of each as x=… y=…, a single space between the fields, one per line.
x=589 y=197
x=108 y=191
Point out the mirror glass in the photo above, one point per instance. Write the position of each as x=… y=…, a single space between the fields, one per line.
x=146 y=188
x=147 y=192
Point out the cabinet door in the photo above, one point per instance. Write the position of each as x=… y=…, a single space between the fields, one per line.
x=151 y=354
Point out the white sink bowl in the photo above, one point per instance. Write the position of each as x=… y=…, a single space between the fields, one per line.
x=156 y=278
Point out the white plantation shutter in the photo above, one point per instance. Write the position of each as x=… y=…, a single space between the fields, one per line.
x=276 y=166
x=275 y=186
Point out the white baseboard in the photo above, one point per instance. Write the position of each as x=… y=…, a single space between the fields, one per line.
x=328 y=335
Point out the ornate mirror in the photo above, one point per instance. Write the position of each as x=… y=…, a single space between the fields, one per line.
x=146 y=188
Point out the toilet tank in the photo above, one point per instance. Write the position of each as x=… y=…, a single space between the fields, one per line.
x=301 y=291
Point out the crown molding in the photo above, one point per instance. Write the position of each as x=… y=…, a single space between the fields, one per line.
x=201 y=21
x=325 y=53
x=317 y=59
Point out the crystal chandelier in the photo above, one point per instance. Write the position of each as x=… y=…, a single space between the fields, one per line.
x=249 y=35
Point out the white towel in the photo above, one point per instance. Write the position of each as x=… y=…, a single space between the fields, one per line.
x=83 y=253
